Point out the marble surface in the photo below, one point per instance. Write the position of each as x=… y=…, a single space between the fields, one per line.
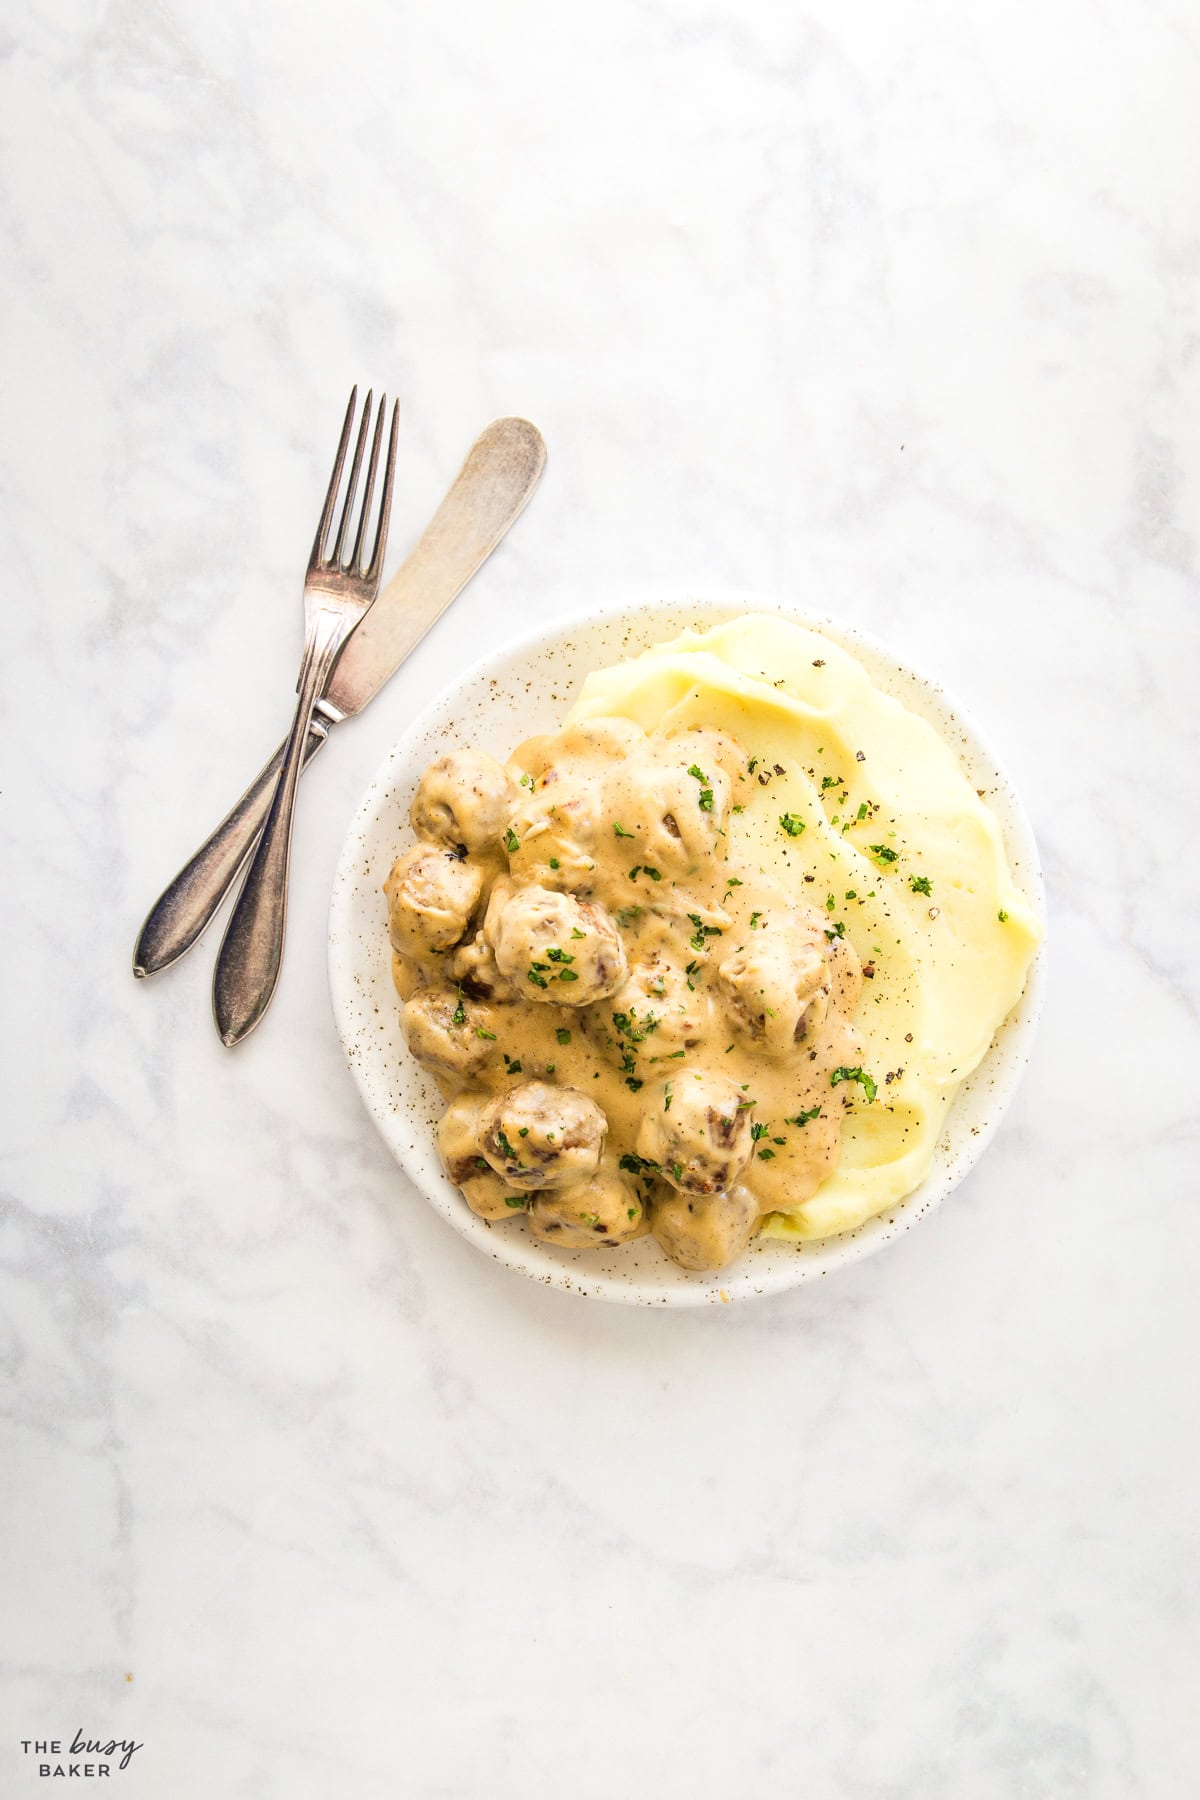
x=890 y=308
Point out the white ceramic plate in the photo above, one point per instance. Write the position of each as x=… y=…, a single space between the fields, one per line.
x=524 y=689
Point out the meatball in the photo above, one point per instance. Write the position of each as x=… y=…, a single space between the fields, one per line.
x=443 y=1031
x=473 y=967
x=462 y=1158
x=465 y=798
x=539 y=1136
x=603 y=1211
x=553 y=947
x=672 y=815
x=703 y=1231
x=554 y=831
x=775 y=987
x=431 y=894
x=654 y=1013
x=697 y=1130
x=708 y=747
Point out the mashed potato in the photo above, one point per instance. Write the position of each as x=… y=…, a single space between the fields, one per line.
x=863 y=810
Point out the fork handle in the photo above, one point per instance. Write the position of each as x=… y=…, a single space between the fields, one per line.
x=252 y=948
x=184 y=908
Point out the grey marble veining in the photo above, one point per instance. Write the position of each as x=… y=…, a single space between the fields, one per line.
x=893 y=309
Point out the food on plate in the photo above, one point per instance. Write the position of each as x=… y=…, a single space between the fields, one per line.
x=712 y=958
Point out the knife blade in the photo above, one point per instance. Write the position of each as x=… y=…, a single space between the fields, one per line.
x=492 y=488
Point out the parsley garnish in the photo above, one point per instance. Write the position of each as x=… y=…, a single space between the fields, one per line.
x=702 y=932
x=791 y=824
x=836 y=930
x=864 y=1080
x=1002 y=916
x=459 y=1015
x=883 y=853
x=638 y=1165
x=512 y=1064
x=527 y=781
x=514 y=1201
x=563 y=1035
x=511 y=841
x=754 y=918
x=480 y=1032
x=802 y=1118
x=920 y=884
x=554 y=862
x=621 y=831
x=576 y=933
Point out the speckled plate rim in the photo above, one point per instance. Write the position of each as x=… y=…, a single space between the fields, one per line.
x=509 y=705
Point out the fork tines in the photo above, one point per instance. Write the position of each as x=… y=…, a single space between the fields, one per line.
x=327 y=561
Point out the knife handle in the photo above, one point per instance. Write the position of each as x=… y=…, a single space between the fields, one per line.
x=183 y=909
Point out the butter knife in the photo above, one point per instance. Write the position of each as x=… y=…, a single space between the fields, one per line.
x=502 y=469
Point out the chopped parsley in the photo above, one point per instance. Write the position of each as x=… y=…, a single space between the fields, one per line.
x=698 y=940
x=638 y=1165
x=802 y=1118
x=1002 y=916
x=554 y=954
x=754 y=918
x=765 y=1155
x=883 y=853
x=628 y=915
x=535 y=975
x=920 y=884
x=515 y=1201
x=527 y=781
x=836 y=930
x=791 y=824
x=758 y=1130
x=567 y=975
x=865 y=1081
x=620 y=831
x=563 y=1035
x=576 y=933
x=512 y=1064
x=459 y=1015
x=511 y=841
x=506 y=1149
x=554 y=862
x=480 y=1032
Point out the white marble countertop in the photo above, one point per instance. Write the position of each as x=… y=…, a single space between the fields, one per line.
x=891 y=309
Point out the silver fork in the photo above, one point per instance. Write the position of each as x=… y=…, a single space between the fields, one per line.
x=336 y=595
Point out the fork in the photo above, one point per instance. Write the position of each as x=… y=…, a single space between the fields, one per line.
x=337 y=593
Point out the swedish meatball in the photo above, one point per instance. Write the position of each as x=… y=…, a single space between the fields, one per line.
x=554 y=947
x=473 y=967
x=465 y=798
x=463 y=1160
x=442 y=1029
x=703 y=1231
x=654 y=1006
x=603 y=1211
x=775 y=987
x=707 y=746
x=672 y=817
x=538 y=1136
x=697 y=1129
x=431 y=894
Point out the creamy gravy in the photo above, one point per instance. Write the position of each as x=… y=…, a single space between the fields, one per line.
x=593 y=918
